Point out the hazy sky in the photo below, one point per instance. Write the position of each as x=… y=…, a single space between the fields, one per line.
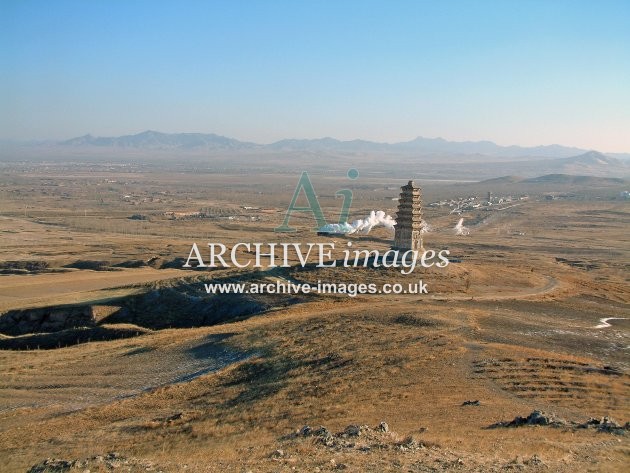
x=516 y=72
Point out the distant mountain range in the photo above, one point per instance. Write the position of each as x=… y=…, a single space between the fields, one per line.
x=433 y=158
x=557 y=179
x=154 y=140
x=591 y=163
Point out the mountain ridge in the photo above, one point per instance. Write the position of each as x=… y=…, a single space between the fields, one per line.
x=556 y=178
x=150 y=139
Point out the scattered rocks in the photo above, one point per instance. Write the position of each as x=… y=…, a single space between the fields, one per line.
x=535 y=418
x=109 y=462
x=52 y=465
x=321 y=431
x=605 y=424
x=353 y=430
x=361 y=438
x=409 y=444
x=471 y=403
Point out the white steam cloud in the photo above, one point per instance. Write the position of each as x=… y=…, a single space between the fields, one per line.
x=361 y=226
x=460 y=229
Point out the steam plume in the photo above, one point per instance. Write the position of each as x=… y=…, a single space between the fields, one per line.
x=361 y=226
x=460 y=229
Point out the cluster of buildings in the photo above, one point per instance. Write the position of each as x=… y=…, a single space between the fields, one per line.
x=470 y=203
x=244 y=213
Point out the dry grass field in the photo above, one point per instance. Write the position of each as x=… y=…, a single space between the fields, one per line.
x=144 y=371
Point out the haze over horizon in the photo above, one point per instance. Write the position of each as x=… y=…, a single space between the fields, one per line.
x=316 y=138
x=528 y=74
x=417 y=138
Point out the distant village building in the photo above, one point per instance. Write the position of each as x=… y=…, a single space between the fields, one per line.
x=408 y=234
